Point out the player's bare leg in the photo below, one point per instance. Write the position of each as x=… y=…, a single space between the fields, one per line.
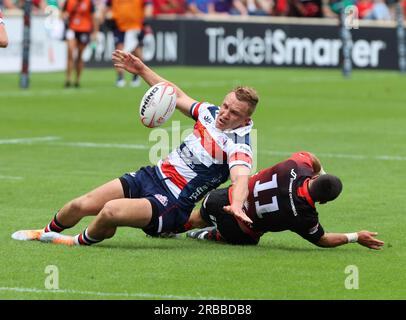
x=120 y=83
x=135 y=213
x=136 y=81
x=70 y=63
x=79 y=63
x=72 y=212
x=90 y=204
x=196 y=220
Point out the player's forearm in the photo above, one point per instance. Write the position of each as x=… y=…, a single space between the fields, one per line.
x=183 y=103
x=364 y=238
x=240 y=189
x=331 y=240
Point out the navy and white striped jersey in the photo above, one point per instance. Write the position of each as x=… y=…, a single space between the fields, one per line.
x=203 y=161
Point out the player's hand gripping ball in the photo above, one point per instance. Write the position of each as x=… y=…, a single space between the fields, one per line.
x=158 y=105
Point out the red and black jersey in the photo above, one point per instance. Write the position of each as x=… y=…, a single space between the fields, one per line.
x=279 y=199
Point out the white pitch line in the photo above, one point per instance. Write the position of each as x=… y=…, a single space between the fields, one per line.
x=108 y=294
x=10 y=178
x=283 y=153
x=103 y=145
x=341 y=155
x=29 y=140
x=146 y=147
x=44 y=93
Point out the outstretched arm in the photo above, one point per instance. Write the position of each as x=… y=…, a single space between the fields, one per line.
x=364 y=238
x=127 y=61
x=239 y=175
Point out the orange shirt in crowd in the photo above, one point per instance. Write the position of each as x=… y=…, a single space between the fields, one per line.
x=80 y=15
x=128 y=14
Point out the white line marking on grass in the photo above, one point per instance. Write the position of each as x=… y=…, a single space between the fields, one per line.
x=147 y=147
x=45 y=93
x=10 y=178
x=341 y=155
x=28 y=140
x=283 y=153
x=103 y=145
x=108 y=294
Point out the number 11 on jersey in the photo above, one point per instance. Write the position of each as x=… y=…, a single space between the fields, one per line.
x=270 y=206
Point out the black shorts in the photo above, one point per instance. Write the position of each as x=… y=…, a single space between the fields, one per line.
x=81 y=37
x=212 y=212
x=167 y=214
x=119 y=36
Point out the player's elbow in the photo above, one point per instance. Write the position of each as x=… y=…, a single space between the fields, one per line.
x=324 y=242
x=321 y=245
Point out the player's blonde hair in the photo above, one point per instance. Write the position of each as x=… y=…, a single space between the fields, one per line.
x=248 y=95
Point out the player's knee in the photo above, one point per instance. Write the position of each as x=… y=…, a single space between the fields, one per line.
x=78 y=205
x=108 y=213
x=82 y=204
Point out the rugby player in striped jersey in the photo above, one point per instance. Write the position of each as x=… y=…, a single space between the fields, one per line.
x=159 y=199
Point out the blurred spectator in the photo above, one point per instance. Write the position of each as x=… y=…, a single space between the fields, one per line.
x=168 y=7
x=404 y=9
x=197 y=7
x=127 y=23
x=379 y=11
x=259 y=7
x=234 y=7
x=332 y=8
x=37 y=5
x=364 y=7
x=305 y=8
x=8 y=4
x=81 y=22
x=54 y=3
x=280 y=8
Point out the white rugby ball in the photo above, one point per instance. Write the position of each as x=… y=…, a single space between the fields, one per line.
x=158 y=105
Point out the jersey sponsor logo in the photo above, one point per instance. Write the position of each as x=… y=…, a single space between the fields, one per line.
x=199 y=191
x=293 y=178
x=162 y=199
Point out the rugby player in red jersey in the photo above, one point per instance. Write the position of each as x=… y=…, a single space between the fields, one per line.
x=282 y=197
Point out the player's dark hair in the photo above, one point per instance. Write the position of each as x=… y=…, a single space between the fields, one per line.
x=325 y=188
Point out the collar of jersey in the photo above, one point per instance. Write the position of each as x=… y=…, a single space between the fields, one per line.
x=303 y=192
x=241 y=131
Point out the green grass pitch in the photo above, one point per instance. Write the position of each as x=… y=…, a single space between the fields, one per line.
x=79 y=139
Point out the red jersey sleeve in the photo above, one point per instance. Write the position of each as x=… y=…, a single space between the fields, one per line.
x=303 y=158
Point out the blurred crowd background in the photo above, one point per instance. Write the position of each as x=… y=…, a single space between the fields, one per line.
x=367 y=9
